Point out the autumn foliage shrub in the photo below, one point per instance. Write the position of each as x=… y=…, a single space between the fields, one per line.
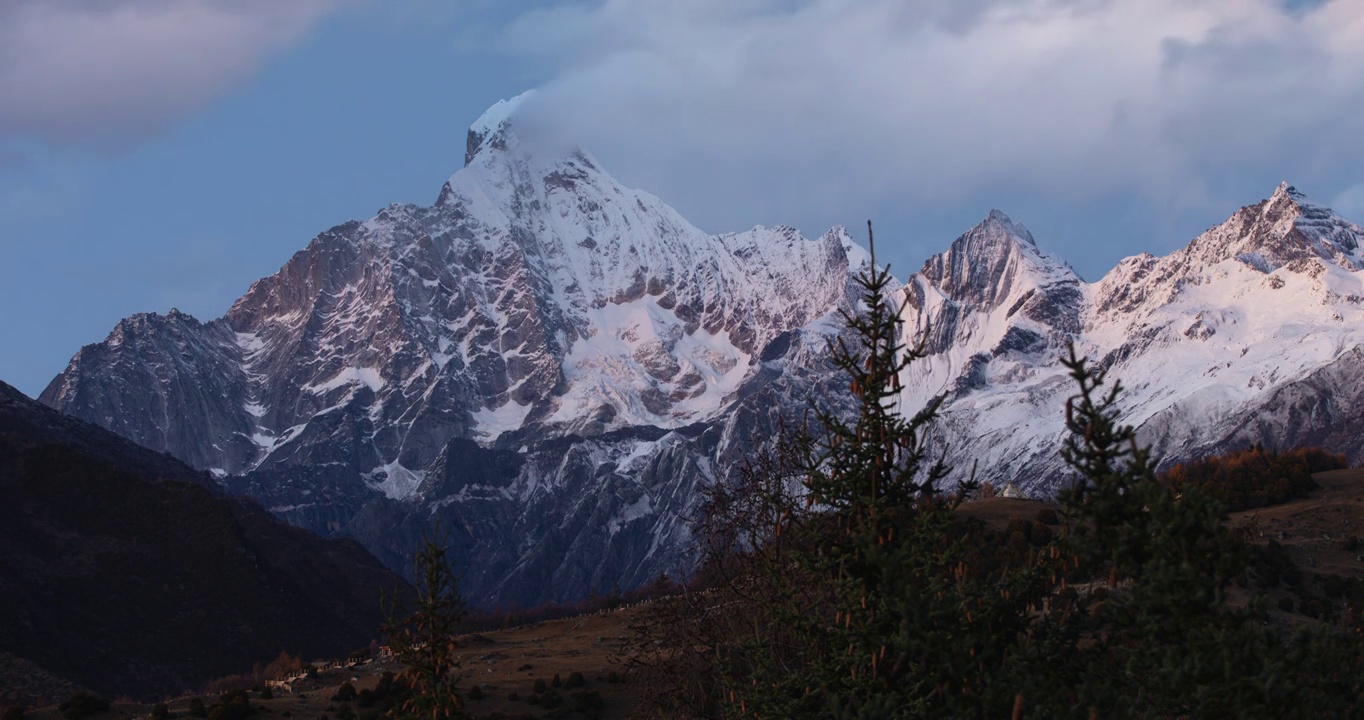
x=1254 y=478
x=283 y=666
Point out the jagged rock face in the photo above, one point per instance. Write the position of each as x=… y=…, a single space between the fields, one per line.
x=994 y=293
x=163 y=381
x=544 y=359
x=1252 y=333
x=553 y=366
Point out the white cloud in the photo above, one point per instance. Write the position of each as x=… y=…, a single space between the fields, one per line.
x=78 y=70
x=733 y=107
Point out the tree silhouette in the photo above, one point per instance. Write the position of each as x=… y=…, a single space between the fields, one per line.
x=422 y=638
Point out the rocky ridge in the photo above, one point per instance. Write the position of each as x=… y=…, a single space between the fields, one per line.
x=553 y=365
x=1250 y=334
x=547 y=361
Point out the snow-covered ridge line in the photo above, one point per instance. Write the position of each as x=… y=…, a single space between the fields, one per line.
x=543 y=342
x=554 y=365
x=1201 y=338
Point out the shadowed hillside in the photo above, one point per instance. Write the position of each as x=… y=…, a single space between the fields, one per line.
x=123 y=571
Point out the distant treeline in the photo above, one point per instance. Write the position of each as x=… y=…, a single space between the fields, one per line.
x=1255 y=477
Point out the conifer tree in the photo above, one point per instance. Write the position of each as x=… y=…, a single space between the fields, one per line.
x=1167 y=640
x=846 y=584
x=422 y=638
x=876 y=605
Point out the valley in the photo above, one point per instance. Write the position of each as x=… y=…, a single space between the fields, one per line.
x=600 y=646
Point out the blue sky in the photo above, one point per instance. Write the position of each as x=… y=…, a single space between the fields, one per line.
x=166 y=153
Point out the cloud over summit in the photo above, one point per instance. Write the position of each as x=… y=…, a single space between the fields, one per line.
x=716 y=103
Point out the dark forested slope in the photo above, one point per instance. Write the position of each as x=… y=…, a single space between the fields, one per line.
x=125 y=571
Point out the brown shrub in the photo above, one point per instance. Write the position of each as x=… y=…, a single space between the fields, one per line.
x=1253 y=478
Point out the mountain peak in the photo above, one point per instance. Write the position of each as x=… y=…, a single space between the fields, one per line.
x=998 y=221
x=1285 y=229
x=1288 y=203
x=489 y=126
x=1284 y=190
x=986 y=263
x=997 y=235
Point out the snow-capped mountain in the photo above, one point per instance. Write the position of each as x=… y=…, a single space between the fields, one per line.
x=1254 y=332
x=546 y=360
x=552 y=365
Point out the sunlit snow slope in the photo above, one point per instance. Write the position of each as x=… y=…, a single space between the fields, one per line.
x=552 y=365
x=1251 y=334
x=546 y=357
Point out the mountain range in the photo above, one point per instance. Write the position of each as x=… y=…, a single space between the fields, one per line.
x=552 y=365
x=1253 y=333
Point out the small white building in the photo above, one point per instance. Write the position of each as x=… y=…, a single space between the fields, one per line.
x=1012 y=491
